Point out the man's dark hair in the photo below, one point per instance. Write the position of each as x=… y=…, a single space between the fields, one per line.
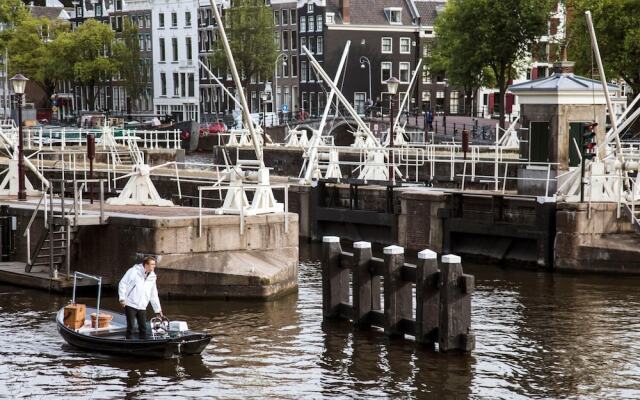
x=147 y=260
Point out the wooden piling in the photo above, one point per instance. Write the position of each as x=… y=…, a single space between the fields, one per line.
x=397 y=292
x=362 y=284
x=427 y=297
x=335 y=279
x=455 y=306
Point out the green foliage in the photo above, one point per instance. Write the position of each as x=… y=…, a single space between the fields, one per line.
x=127 y=53
x=29 y=46
x=249 y=26
x=474 y=35
x=93 y=64
x=617 y=26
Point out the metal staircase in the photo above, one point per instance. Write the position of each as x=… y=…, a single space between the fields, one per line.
x=54 y=248
x=62 y=221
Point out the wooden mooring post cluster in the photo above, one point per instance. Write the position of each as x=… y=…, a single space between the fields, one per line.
x=442 y=300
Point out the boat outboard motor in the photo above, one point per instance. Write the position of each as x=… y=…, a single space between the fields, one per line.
x=159 y=325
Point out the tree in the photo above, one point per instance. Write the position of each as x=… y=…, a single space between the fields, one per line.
x=12 y=13
x=249 y=27
x=29 y=51
x=93 y=63
x=469 y=75
x=490 y=33
x=127 y=53
x=617 y=26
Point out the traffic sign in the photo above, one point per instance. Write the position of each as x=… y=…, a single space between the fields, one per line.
x=285 y=108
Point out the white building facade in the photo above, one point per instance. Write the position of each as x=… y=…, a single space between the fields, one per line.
x=175 y=59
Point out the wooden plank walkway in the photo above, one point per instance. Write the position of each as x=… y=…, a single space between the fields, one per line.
x=13 y=272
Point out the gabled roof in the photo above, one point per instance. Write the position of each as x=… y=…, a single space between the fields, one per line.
x=428 y=10
x=370 y=12
x=51 y=13
x=559 y=83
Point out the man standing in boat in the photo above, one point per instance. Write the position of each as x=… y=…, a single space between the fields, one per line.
x=136 y=289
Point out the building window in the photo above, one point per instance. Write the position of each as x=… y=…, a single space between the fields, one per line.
x=176 y=84
x=330 y=18
x=404 y=72
x=310 y=8
x=359 y=99
x=183 y=84
x=98 y=10
x=276 y=17
x=310 y=23
x=294 y=16
x=453 y=102
x=148 y=40
x=79 y=11
x=439 y=101
x=385 y=69
x=294 y=41
x=405 y=45
x=285 y=17
x=303 y=24
x=319 y=23
x=294 y=66
x=285 y=69
x=174 y=20
x=303 y=71
x=140 y=22
x=394 y=15
x=163 y=84
x=147 y=21
x=320 y=45
x=161 y=20
x=192 y=86
x=174 y=46
x=285 y=40
x=426 y=75
x=303 y=44
x=187 y=18
x=162 y=51
x=189 y=50
x=387 y=45
x=118 y=5
x=277 y=39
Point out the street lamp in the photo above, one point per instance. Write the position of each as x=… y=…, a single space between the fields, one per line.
x=364 y=60
x=265 y=98
x=19 y=82
x=275 y=77
x=392 y=87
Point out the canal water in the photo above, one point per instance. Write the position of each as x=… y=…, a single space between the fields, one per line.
x=538 y=336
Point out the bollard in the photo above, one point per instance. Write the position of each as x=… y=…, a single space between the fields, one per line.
x=455 y=306
x=427 y=297
x=335 y=280
x=362 y=284
x=397 y=292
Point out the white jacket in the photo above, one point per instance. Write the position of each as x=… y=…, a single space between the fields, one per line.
x=137 y=290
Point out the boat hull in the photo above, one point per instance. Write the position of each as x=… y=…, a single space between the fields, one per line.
x=187 y=343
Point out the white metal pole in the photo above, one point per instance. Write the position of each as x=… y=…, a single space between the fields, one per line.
x=603 y=79
x=406 y=95
x=315 y=139
x=236 y=79
x=340 y=96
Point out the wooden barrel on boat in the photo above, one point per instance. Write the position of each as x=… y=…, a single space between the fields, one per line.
x=103 y=322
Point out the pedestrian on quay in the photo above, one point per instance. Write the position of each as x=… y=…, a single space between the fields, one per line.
x=136 y=290
x=428 y=120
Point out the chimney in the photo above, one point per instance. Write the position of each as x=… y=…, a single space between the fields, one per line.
x=345 y=9
x=563 y=66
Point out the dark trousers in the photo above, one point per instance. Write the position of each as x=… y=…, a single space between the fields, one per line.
x=139 y=316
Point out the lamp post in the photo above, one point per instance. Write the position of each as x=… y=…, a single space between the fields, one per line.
x=264 y=96
x=392 y=87
x=19 y=82
x=285 y=57
x=364 y=60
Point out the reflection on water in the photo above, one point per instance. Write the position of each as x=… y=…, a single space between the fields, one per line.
x=538 y=335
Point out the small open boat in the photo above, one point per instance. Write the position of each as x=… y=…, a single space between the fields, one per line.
x=165 y=341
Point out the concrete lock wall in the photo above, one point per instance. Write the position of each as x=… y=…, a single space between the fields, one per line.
x=595 y=239
x=262 y=262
